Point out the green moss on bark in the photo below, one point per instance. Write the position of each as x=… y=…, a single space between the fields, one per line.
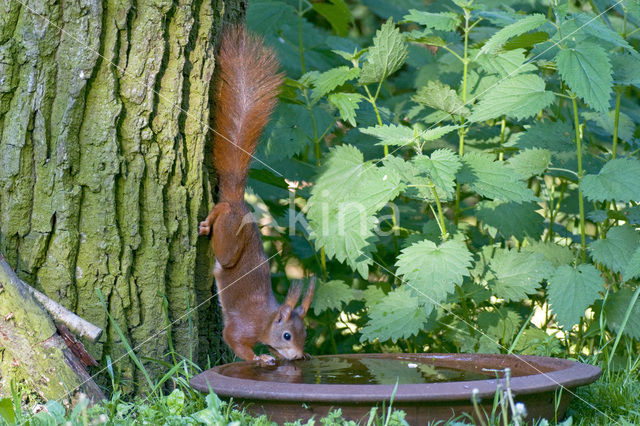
x=103 y=125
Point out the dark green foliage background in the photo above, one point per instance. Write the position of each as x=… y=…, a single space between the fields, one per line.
x=502 y=168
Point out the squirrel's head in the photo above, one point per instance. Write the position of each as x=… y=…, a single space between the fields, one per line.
x=287 y=333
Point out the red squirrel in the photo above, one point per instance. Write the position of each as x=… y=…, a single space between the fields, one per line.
x=245 y=95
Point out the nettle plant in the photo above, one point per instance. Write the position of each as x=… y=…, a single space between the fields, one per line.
x=469 y=177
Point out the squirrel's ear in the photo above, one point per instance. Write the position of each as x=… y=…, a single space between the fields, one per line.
x=284 y=313
x=291 y=301
x=306 y=300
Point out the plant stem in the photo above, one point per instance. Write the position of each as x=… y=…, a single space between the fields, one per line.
x=580 y=174
x=443 y=227
x=372 y=101
x=616 y=122
x=503 y=124
x=461 y=131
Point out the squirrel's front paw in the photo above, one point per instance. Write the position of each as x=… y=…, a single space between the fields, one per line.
x=205 y=228
x=264 y=359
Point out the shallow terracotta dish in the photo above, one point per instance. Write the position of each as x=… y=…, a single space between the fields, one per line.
x=430 y=386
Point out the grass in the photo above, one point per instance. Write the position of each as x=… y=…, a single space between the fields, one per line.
x=613 y=400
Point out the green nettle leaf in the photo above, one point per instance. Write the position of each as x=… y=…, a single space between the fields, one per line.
x=398 y=315
x=632 y=270
x=512 y=219
x=526 y=40
x=501 y=324
x=572 y=291
x=343 y=203
x=554 y=253
x=393 y=134
x=522 y=26
x=587 y=71
x=433 y=271
x=606 y=121
x=280 y=138
x=625 y=68
x=518 y=96
x=441 y=167
x=530 y=162
x=331 y=295
x=347 y=104
x=535 y=341
x=440 y=96
x=616 y=250
x=594 y=28
x=507 y=63
x=518 y=273
x=337 y=13
x=493 y=179
x=446 y=21
x=618 y=180
x=325 y=82
x=616 y=310
x=386 y=56
x=553 y=136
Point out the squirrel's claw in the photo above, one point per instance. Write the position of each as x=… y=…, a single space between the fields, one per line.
x=264 y=359
x=205 y=228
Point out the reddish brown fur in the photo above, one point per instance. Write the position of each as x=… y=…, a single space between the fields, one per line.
x=245 y=95
x=246 y=90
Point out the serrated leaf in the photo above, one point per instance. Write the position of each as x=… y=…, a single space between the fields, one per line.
x=518 y=273
x=441 y=167
x=438 y=169
x=594 y=28
x=325 y=82
x=281 y=139
x=632 y=270
x=587 y=71
x=331 y=295
x=446 y=21
x=553 y=136
x=343 y=203
x=398 y=315
x=625 y=68
x=507 y=63
x=606 y=121
x=347 y=104
x=521 y=26
x=554 y=253
x=616 y=250
x=616 y=309
x=512 y=219
x=571 y=291
x=501 y=324
x=393 y=134
x=526 y=40
x=433 y=271
x=518 y=96
x=492 y=179
x=386 y=56
x=440 y=96
x=530 y=162
x=337 y=13
x=537 y=342
x=617 y=180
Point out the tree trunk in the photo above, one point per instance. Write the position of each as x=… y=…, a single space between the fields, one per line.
x=104 y=109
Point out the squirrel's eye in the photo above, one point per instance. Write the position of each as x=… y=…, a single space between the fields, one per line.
x=286 y=336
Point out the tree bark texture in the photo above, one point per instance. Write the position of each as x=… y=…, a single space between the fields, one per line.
x=104 y=111
x=33 y=345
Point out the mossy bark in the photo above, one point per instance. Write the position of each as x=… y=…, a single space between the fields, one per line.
x=104 y=110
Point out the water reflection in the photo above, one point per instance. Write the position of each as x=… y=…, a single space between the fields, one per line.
x=347 y=370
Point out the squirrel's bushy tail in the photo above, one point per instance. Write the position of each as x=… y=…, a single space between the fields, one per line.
x=246 y=90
